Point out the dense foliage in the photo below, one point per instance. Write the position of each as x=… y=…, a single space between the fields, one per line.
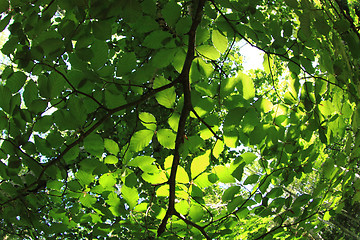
x=135 y=119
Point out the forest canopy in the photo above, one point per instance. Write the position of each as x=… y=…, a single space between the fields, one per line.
x=135 y=119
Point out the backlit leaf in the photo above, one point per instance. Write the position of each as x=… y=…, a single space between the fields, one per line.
x=166 y=138
x=130 y=195
x=246 y=86
x=111 y=159
x=181 y=175
x=208 y=51
x=224 y=174
x=141 y=139
x=107 y=180
x=248 y=157
x=219 y=41
x=196 y=212
x=166 y=97
x=199 y=164
x=111 y=146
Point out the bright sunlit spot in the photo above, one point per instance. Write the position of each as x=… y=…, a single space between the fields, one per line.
x=252 y=57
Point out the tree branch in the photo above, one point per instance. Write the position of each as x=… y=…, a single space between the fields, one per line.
x=38 y=181
x=184 y=78
x=207 y=125
x=72 y=86
x=200 y=228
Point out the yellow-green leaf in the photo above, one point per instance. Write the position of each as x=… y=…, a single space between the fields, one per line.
x=141 y=139
x=111 y=146
x=130 y=195
x=199 y=164
x=166 y=97
x=107 y=180
x=181 y=175
x=208 y=51
x=148 y=120
x=219 y=41
x=166 y=138
x=246 y=85
x=111 y=159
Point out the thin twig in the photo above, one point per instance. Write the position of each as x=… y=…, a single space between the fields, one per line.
x=207 y=125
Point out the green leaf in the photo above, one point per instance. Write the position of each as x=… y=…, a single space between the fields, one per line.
x=327 y=216
x=203 y=180
x=251 y=179
x=94 y=144
x=87 y=200
x=71 y=154
x=199 y=164
x=111 y=146
x=196 y=191
x=130 y=195
x=107 y=180
x=208 y=51
x=196 y=213
x=328 y=168
x=3 y=121
x=171 y=12
x=182 y=207
x=166 y=138
x=228 y=85
x=50 y=87
x=157 y=39
x=102 y=30
x=143 y=162
x=275 y=192
x=301 y=200
x=155 y=178
x=141 y=139
x=224 y=174
x=30 y=93
x=173 y=121
x=163 y=191
x=246 y=86
x=266 y=105
x=234 y=203
x=179 y=59
x=166 y=97
x=321 y=25
x=100 y=50
x=148 y=120
x=163 y=58
x=218 y=148
x=84 y=177
x=268 y=63
x=16 y=81
x=219 y=41
x=292 y=3
x=126 y=63
x=4 y=6
x=230 y=193
x=238 y=172
x=5 y=96
x=43 y=124
x=183 y=25
x=111 y=159
x=248 y=157
x=181 y=175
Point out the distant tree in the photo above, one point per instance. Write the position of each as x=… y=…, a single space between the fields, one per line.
x=135 y=119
